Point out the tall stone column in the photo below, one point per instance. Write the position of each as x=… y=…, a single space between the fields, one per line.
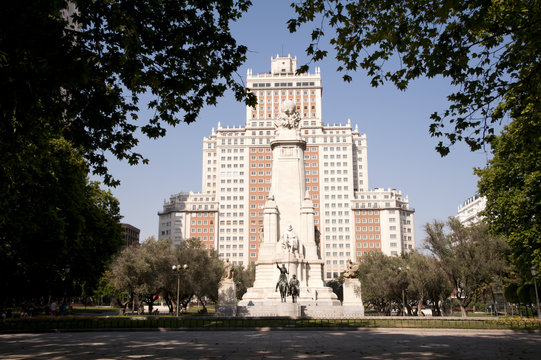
x=307 y=230
x=289 y=204
x=288 y=179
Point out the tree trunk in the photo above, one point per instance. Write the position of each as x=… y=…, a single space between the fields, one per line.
x=505 y=303
x=493 y=300
x=463 y=311
x=204 y=310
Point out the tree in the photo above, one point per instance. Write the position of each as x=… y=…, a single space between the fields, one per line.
x=143 y=271
x=382 y=282
x=427 y=282
x=337 y=286
x=83 y=69
x=470 y=257
x=511 y=184
x=53 y=219
x=199 y=280
x=244 y=278
x=490 y=50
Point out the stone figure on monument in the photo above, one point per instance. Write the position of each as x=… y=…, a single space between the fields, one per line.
x=294 y=288
x=290 y=241
x=228 y=270
x=351 y=270
x=317 y=235
x=288 y=118
x=261 y=234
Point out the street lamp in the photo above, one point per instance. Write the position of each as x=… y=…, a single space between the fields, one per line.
x=534 y=273
x=178 y=269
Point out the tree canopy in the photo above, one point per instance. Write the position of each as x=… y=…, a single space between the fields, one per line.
x=82 y=70
x=469 y=256
x=511 y=184
x=490 y=50
x=53 y=219
x=145 y=271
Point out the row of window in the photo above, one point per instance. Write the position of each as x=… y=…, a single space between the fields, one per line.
x=231 y=158
x=260 y=189
x=234 y=246
x=234 y=206
x=283 y=84
x=200 y=222
x=229 y=238
x=368 y=237
x=370 y=228
x=269 y=116
x=333 y=205
x=232 y=150
x=199 y=230
x=365 y=220
x=332 y=163
x=231 y=190
x=336 y=253
x=339 y=229
x=240 y=214
x=335 y=245
x=335 y=262
x=231 y=222
x=337 y=237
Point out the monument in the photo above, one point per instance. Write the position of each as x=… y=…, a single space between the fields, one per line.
x=289 y=246
x=227 y=292
x=352 y=303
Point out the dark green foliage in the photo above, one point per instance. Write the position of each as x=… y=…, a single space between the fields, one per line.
x=511 y=183
x=381 y=281
x=244 y=278
x=427 y=281
x=84 y=74
x=146 y=271
x=52 y=217
x=490 y=50
x=337 y=286
x=469 y=256
x=73 y=76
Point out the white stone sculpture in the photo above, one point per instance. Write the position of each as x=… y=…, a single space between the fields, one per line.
x=288 y=119
x=290 y=241
x=351 y=270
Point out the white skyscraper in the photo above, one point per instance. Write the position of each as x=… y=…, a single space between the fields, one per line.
x=227 y=215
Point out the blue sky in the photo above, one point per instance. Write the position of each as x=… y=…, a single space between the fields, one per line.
x=401 y=152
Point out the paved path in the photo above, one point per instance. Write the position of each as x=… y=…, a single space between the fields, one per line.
x=276 y=344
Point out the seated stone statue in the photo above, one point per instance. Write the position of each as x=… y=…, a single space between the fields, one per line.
x=228 y=270
x=351 y=270
x=290 y=241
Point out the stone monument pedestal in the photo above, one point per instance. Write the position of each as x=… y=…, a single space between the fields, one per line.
x=270 y=308
x=289 y=230
x=353 y=303
x=227 y=298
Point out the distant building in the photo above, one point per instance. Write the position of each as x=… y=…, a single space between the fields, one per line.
x=227 y=215
x=468 y=212
x=130 y=235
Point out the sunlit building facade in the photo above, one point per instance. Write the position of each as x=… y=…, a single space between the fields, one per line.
x=227 y=215
x=468 y=211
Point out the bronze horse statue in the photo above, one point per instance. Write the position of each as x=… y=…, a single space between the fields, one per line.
x=282 y=285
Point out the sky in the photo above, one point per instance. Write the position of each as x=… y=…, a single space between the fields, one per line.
x=401 y=153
